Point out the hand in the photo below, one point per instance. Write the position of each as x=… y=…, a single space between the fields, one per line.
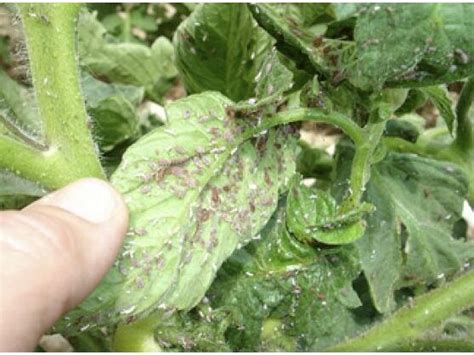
x=53 y=254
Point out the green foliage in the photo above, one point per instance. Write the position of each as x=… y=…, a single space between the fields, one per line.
x=182 y=183
x=413 y=44
x=113 y=110
x=220 y=47
x=313 y=214
x=126 y=63
x=232 y=246
x=274 y=289
x=406 y=243
x=440 y=99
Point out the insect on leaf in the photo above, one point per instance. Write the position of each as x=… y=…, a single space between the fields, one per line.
x=220 y=47
x=313 y=214
x=196 y=189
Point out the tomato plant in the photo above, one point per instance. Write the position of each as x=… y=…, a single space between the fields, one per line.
x=248 y=231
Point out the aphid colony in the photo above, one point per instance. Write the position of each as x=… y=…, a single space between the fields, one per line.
x=231 y=188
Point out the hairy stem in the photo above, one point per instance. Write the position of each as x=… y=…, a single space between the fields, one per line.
x=137 y=336
x=50 y=39
x=360 y=172
x=17 y=132
x=33 y=164
x=366 y=140
x=430 y=345
x=410 y=323
x=348 y=126
x=464 y=130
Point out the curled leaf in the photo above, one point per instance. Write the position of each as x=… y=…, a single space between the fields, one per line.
x=313 y=214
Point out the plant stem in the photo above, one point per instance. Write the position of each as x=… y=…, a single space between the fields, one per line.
x=365 y=139
x=348 y=126
x=360 y=172
x=411 y=322
x=429 y=345
x=50 y=39
x=464 y=130
x=138 y=336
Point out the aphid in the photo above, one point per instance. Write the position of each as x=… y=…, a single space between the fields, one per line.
x=139 y=283
x=178 y=171
x=160 y=262
x=270 y=89
x=200 y=150
x=140 y=232
x=461 y=55
x=191 y=182
x=203 y=119
x=318 y=41
x=128 y=310
x=178 y=161
x=159 y=175
x=214 y=131
x=215 y=195
x=228 y=136
x=252 y=207
x=164 y=162
x=230 y=112
x=131 y=319
x=44 y=18
x=170 y=132
x=268 y=67
x=187 y=114
x=187 y=258
x=266 y=177
x=203 y=215
x=145 y=189
x=179 y=149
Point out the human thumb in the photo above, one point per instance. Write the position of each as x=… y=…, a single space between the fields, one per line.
x=53 y=254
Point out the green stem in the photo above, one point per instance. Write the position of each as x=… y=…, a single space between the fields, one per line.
x=348 y=126
x=137 y=336
x=50 y=39
x=411 y=322
x=366 y=141
x=464 y=139
x=360 y=172
x=19 y=134
x=428 y=345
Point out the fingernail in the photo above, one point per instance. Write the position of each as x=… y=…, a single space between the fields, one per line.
x=91 y=199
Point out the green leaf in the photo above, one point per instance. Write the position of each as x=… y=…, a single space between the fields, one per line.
x=18 y=107
x=11 y=184
x=379 y=249
x=126 y=63
x=196 y=189
x=430 y=252
x=273 y=78
x=403 y=129
x=415 y=99
x=283 y=295
x=200 y=330
x=439 y=97
x=409 y=244
x=413 y=44
x=113 y=110
x=220 y=47
x=313 y=214
x=16 y=192
x=314 y=162
x=291 y=39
